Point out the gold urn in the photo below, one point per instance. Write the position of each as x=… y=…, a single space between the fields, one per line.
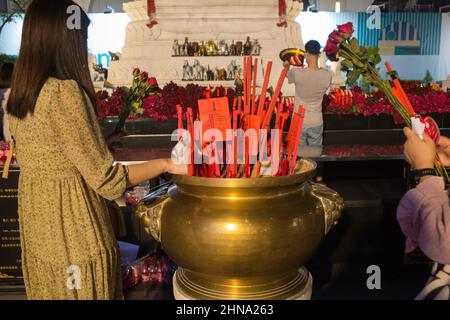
x=243 y=238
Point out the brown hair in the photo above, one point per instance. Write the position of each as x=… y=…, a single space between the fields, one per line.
x=6 y=71
x=49 y=48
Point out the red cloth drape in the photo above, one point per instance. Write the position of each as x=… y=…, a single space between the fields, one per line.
x=151 y=10
x=281 y=8
x=282 y=13
x=151 y=7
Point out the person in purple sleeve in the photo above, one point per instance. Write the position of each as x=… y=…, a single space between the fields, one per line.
x=424 y=212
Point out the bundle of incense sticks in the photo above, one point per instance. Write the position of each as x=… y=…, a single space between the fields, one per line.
x=250 y=111
x=400 y=94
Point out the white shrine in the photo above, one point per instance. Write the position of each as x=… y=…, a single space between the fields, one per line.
x=151 y=49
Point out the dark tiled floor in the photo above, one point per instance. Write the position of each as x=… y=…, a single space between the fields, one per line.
x=342 y=283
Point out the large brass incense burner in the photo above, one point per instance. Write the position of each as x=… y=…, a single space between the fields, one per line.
x=243 y=238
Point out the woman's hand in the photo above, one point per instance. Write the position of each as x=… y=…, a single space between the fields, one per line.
x=138 y=173
x=419 y=153
x=175 y=168
x=443 y=150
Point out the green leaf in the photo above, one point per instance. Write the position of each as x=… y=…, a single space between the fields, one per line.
x=355 y=45
x=377 y=59
x=353 y=76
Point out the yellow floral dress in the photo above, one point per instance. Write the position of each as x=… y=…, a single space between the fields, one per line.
x=69 y=249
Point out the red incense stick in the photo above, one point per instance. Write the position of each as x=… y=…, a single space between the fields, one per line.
x=274 y=99
x=293 y=159
x=262 y=97
x=400 y=93
x=255 y=73
x=190 y=125
x=180 y=121
x=245 y=79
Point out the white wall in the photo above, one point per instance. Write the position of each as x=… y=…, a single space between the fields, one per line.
x=106 y=33
x=346 y=5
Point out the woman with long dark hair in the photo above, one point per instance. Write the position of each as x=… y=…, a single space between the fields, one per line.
x=68 y=246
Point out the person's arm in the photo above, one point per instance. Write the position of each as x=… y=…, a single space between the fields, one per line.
x=138 y=173
x=77 y=130
x=424 y=212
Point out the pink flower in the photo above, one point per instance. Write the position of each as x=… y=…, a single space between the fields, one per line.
x=346 y=29
x=331 y=49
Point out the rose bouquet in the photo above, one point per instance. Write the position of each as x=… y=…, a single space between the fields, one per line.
x=142 y=87
x=361 y=61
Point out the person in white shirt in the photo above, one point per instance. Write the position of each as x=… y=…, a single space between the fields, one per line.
x=6 y=71
x=311 y=84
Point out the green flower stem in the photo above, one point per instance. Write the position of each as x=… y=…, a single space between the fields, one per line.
x=385 y=86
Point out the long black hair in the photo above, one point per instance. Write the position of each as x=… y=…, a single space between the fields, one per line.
x=49 y=48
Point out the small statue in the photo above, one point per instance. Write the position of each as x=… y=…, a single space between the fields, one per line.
x=185 y=47
x=101 y=73
x=202 y=49
x=190 y=50
x=114 y=56
x=211 y=48
x=221 y=74
x=256 y=48
x=187 y=71
x=248 y=47
x=199 y=72
x=223 y=48
x=209 y=74
x=195 y=46
x=239 y=48
x=232 y=70
x=176 y=48
x=232 y=49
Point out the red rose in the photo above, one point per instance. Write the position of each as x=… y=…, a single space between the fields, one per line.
x=144 y=76
x=331 y=49
x=336 y=36
x=152 y=82
x=136 y=72
x=346 y=29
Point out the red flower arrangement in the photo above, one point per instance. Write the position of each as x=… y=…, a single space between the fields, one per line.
x=424 y=99
x=146 y=99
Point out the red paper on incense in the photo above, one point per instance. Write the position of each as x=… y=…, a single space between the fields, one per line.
x=215 y=114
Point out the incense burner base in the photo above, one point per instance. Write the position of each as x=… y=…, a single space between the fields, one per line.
x=188 y=285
